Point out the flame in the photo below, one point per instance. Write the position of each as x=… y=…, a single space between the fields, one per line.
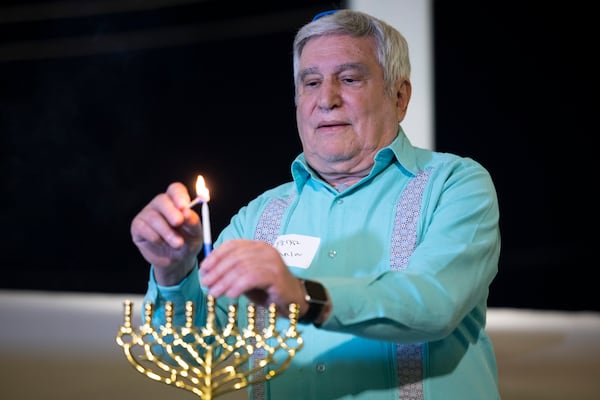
x=201 y=189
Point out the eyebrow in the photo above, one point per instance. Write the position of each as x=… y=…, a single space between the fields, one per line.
x=307 y=71
x=360 y=67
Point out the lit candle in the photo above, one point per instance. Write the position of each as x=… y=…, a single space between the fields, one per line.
x=203 y=195
x=206 y=229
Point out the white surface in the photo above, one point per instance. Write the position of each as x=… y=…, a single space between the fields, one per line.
x=62 y=346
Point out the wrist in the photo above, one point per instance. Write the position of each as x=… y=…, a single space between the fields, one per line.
x=172 y=275
x=316 y=303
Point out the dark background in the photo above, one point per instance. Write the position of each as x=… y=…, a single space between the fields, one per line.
x=103 y=104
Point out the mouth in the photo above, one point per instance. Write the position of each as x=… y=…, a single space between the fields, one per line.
x=331 y=124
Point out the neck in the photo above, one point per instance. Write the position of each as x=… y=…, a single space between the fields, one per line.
x=342 y=181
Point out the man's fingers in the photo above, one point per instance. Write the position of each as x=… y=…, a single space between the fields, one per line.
x=151 y=226
x=179 y=195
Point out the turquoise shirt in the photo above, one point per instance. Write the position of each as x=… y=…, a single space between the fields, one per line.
x=407 y=256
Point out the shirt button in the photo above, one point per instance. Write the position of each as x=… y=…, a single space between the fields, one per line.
x=332 y=253
x=340 y=201
x=321 y=368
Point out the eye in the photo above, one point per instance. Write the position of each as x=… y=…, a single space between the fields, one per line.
x=350 y=80
x=311 y=83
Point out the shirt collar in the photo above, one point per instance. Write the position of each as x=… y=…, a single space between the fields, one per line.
x=400 y=151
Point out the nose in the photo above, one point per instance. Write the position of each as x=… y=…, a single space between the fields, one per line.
x=329 y=95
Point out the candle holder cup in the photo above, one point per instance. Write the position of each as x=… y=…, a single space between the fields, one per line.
x=207 y=361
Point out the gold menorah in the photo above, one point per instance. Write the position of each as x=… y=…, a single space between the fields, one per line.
x=207 y=361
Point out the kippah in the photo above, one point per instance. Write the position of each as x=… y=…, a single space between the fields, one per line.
x=323 y=13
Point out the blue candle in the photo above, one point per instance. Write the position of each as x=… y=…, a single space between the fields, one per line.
x=206 y=229
x=203 y=196
x=203 y=193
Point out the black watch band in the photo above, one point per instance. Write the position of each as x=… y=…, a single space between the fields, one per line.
x=316 y=297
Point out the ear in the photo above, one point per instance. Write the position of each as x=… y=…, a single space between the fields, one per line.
x=403 y=92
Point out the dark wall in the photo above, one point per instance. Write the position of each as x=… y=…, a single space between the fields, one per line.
x=100 y=112
x=513 y=83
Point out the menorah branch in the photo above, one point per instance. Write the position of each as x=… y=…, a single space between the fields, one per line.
x=205 y=360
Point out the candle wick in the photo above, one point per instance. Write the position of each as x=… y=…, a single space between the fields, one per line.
x=194 y=202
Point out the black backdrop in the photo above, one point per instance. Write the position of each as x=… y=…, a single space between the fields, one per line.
x=101 y=110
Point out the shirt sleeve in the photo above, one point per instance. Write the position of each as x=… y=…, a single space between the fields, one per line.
x=447 y=275
x=188 y=289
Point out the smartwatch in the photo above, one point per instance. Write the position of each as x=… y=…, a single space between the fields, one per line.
x=316 y=297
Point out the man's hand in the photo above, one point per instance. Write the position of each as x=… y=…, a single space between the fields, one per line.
x=168 y=234
x=254 y=269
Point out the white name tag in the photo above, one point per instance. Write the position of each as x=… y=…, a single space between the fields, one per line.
x=297 y=250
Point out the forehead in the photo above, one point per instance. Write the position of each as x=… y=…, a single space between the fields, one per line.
x=337 y=49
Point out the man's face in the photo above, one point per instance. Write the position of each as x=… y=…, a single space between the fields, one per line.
x=343 y=112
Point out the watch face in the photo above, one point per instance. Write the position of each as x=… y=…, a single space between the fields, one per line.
x=316 y=292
